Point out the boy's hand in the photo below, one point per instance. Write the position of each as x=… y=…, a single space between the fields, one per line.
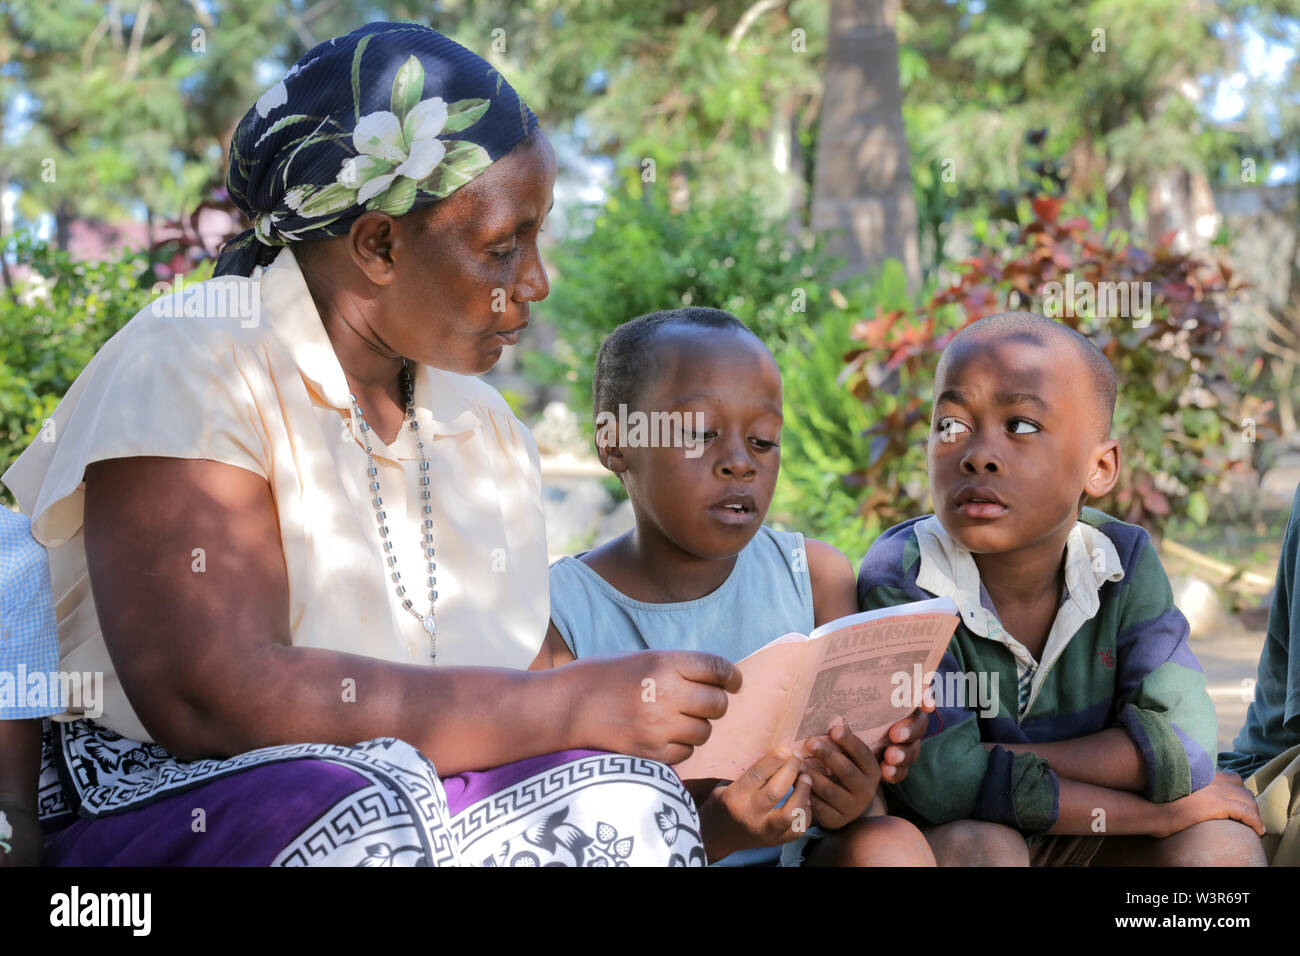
x=743 y=814
x=905 y=742
x=845 y=776
x=1224 y=799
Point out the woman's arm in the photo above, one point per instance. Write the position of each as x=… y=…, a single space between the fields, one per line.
x=207 y=661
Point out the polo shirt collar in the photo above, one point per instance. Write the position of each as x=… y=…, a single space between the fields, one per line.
x=441 y=407
x=949 y=570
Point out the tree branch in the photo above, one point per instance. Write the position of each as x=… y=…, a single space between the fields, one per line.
x=137 y=37
x=747 y=20
x=92 y=41
x=115 y=21
x=204 y=18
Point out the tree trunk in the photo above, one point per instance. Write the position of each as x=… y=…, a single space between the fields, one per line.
x=862 y=196
x=788 y=160
x=4 y=264
x=1181 y=202
x=62 y=225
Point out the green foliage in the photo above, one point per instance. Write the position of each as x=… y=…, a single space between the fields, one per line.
x=64 y=312
x=640 y=256
x=706 y=90
x=825 y=437
x=1117 y=94
x=134 y=102
x=1101 y=75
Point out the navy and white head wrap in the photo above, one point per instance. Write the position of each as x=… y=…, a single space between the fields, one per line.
x=391 y=117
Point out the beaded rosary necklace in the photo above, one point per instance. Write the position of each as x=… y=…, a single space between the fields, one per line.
x=427 y=620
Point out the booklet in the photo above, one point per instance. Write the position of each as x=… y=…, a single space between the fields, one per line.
x=868 y=670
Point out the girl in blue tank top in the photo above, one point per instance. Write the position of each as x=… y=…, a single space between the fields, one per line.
x=688 y=415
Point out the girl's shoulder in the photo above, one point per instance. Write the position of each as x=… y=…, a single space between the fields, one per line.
x=769 y=542
x=777 y=562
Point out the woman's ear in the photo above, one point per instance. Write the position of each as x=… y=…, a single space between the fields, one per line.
x=371 y=242
x=1104 y=469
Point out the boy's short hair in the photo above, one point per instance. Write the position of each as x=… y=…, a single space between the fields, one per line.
x=622 y=362
x=1044 y=331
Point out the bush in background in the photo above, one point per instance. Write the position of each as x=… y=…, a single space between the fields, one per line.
x=827 y=450
x=640 y=256
x=51 y=325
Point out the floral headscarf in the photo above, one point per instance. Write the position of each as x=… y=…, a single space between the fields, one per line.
x=392 y=116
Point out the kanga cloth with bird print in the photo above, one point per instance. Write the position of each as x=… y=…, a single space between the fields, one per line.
x=107 y=800
x=1117 y=656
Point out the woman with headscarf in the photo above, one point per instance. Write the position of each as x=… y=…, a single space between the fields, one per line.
x=302 y=542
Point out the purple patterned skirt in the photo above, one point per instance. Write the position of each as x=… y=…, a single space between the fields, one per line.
x=106 y=800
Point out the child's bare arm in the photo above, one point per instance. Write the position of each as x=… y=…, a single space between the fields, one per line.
x=1102 y=811
x=1106 y=759
x=834 y=586
x=554 y=651
x=20 y=768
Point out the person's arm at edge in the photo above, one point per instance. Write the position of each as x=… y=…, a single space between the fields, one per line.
x=1265 y=732
x=20 y=768
x=834 y=585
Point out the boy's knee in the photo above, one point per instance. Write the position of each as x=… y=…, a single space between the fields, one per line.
x=1213 y=843
x=878 y=841
x=892 y=841
x=977 y=843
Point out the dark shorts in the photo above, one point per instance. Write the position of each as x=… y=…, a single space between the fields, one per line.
x=1065 y=851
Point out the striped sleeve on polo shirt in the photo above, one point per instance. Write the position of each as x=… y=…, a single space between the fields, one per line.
x=1160 y=692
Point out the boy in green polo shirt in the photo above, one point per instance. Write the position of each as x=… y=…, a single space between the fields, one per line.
x=1093 y=740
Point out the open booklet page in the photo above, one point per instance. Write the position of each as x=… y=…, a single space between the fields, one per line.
x=867 y=670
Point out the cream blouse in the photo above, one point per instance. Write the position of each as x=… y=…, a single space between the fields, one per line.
x=263 y=390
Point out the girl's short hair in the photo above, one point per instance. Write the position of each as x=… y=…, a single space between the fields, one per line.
x=623 y=360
